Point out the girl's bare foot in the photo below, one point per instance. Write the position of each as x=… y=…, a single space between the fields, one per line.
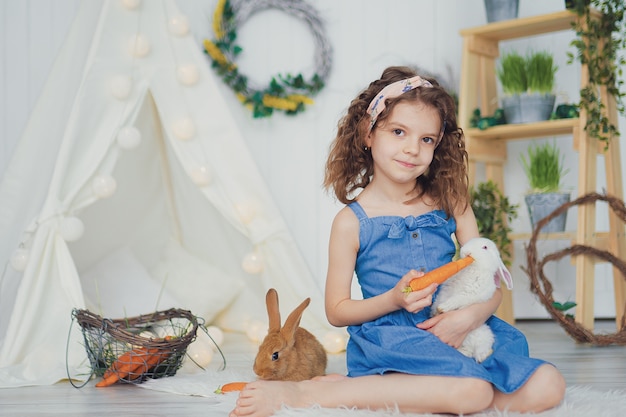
x=264 y=398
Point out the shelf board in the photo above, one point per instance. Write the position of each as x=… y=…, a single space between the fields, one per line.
x=524 y=26
x=524 y=130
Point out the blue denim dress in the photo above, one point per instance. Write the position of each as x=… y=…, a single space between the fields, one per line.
x=390 y=246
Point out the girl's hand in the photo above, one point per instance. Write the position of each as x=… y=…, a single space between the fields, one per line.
x=414 y=301
x=451 y=327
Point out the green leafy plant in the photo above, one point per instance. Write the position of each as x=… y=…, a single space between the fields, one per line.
x=494 y=212
x=543 y=165
x=533 y=73
x=600 y=43
x=512 y=73
x=540 y=72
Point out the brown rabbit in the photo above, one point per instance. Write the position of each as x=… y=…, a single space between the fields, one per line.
x=290 y=353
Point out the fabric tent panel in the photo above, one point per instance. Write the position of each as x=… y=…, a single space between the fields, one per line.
x=47 y=291
x=155 y=200
x=139 y=202
x=26 y=179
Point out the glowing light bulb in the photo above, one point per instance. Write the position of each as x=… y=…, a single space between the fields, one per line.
x=246 y=212
x=256 y=331
x=139 y=45
x=201 y=349
x=131 y=4
x=19 y=259
x=178 y=25
x=201 y=176
x=184 y=129
x=253 y=263
x=103 y=186
x=128 y=137
x=334 y=342
x=188 y=74
x=216 y=334
x=72 y=229
x=121 y=86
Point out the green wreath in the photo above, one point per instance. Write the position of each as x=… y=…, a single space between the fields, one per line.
x=286 y=92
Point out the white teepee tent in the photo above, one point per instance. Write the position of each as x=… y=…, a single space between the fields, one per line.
x=130 y=186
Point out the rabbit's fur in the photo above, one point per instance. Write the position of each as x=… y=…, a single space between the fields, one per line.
x=290 y=353
x=475 y=283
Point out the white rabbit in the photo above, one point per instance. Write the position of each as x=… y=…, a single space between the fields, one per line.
x=475 y=283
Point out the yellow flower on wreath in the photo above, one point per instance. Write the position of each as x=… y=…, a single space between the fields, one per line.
x=217 y=55
x=218 y=27
x=287 y=92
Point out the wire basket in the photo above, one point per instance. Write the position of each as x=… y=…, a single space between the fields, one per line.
x=154 y=343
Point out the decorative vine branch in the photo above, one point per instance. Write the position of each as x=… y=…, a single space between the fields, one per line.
x=600 y=38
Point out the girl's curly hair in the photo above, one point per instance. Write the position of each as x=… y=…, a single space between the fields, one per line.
x=349 y=166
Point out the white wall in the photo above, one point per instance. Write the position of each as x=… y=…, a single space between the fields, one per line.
x=366 y=36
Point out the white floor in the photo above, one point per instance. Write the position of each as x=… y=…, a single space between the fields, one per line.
x=602 y=368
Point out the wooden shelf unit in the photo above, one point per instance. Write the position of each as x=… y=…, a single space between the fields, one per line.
x=488 y=147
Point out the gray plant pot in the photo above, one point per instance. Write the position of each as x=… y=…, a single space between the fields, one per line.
x=541 y=205
x=498 y=10
x=528 y=108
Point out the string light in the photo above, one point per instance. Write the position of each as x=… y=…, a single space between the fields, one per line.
x=128 y=137
x=256 y=331
x=178 y=25
x=216 y=334
x=334 y=342
x=139 y=45
x=201 y=350
x=121 y=86
x=188 y=74
x=103 y=186
x=184 y=129
x=253 y=263
x=131 y=4
x=246 y=212
x=19 y=259
x=201 y=176
x=72 y=229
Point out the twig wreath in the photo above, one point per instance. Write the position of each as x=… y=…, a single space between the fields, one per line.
x=285 y=92
x=542 y=287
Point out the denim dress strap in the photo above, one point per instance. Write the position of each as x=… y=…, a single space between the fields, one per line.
x=358 y=210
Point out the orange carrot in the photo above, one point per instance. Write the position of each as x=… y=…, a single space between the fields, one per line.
x=230 y=387
x=132 y=364
x=124 y=364
x=438 y=275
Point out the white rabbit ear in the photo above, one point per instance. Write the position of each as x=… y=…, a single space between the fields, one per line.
x=273 y=312
x=503 y=274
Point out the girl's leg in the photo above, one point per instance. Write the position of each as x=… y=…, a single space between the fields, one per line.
x=543 y=390
x=410 y=393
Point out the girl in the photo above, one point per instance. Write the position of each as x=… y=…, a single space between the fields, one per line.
x=399 y=163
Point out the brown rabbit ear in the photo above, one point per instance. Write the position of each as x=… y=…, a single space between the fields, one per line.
x=293 y=320
x=273 y=313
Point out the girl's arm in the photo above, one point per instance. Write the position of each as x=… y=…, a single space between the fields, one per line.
x=341 y=309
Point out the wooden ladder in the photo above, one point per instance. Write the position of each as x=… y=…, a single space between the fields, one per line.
x=488 y=147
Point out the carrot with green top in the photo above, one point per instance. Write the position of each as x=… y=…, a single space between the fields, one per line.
x=438 y=275
x=230 y=387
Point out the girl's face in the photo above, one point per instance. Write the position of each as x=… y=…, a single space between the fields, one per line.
x=403 y=145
